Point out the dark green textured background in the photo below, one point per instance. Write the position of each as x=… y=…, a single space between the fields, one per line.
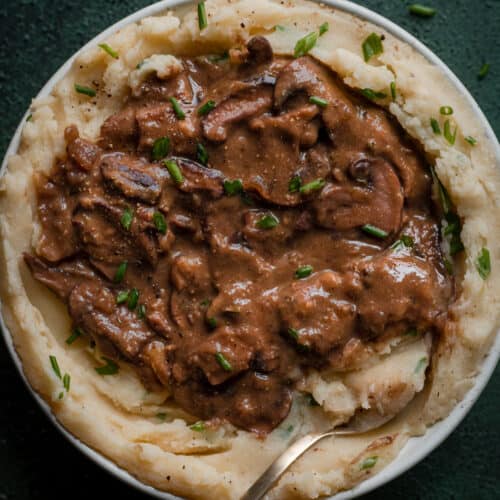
x=36 y=37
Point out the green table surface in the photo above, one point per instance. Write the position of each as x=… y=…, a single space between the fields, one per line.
x=36 y=37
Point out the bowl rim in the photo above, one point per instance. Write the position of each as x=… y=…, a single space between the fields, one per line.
x=417 y=448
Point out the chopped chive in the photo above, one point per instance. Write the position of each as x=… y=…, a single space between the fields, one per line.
x=421 y=363
x=61 y=395
x=323 y=28
x=421 y=10
x=393 y=91
x=368 y=463
x=160 y=222
x=161 y=416
x=201 y=154
x=120 y=272
x=202 y=16
x=66 y=381
x=485 y=69
x=312 y=186
x=140 y=64
x=404 y=240
x=141 y=311
x=55 y=366
x=483 y=263
x=133 y=298
x=372 y=46
x=322 y=103
x=177 y=108
x=205 y=302
x=412 y=332
x=444 y=197
x=126 y=218
x=74 y=335
x=303 y=272
x=446 y=110
x=174 y=171
x=471 y=140
x=279 y=27
x=448 y=266
x=81 y=89
x=110 y=368
x=122 y=296
x=435 y=126
x=268 y=221
x=206 y=108
x=212 y=322
x=30 y=118
x=223 y=362
x=305 y=44
x=198 y=426
x=217 y=58
x=293 y=333
x=234 y=187
x=294 y=184
x=372 y=94
x=447 y=132
x=161 y=147
x=374 y=231
x=109 y=50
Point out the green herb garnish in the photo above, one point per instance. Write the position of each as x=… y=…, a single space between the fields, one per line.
x=446 y=110
x=450 y=137
x=303 y=272
x=404 y=241
x=471 y=140
x=483 y=263
x=110 y=368
x=234 y=187
x=206 y=108
x=268 y=221
x=161 y=416
x=198 y=426
x=81 y=89
x=174 y=171
x=223 y=362
x=322 y=103
x=133 y=298
x=126 y=218
x=161 y=148
x=323 y=28
x=422 y=10
x=305 y=44
x=294 y=184
x=202 y=16
x=55 y=366
x=435 y=126
x=374 y=231
x=312 y=186
x=293 y=333
x=109 y=50
x=74 y=335
x=160 y=222
x=122 y=297
x=372 y=46
x=422 y=362
x=372 y=94
x=177 y=108
x=201 y=154
x=368 y=463
x=485 y=69
x=120 y=272
x=141 y=311
x=66 y=381
x=279 y=27
x=393 y=91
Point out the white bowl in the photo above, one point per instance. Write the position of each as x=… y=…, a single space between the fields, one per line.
x=416 y=448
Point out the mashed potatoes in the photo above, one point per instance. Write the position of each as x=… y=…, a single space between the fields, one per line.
x=145 y=433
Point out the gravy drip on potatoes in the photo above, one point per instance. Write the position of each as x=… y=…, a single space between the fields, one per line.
x=251 y=266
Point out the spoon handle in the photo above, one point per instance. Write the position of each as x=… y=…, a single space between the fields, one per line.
x=281 y=464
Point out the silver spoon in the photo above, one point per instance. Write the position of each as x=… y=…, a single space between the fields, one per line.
x=359 y=424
